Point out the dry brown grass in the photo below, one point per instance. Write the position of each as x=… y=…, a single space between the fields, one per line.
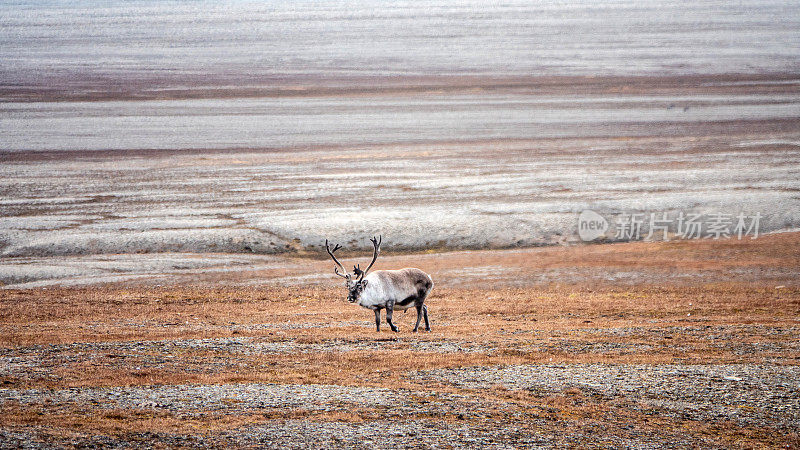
x=500 y=324
x=506 y=326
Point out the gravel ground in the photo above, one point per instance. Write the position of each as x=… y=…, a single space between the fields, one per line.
x=226 y=398
x=415 y=418
x=298 y=434
x=713 y=366
x=755 y=395
x=461 y=412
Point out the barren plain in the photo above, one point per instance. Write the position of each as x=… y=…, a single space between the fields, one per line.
x=676 y=344
x=661 y=145
x=169 y=172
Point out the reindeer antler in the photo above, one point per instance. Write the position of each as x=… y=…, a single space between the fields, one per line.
x=376 y=244
x=336 y=269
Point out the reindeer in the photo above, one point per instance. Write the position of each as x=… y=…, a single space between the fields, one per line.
x=386 y=289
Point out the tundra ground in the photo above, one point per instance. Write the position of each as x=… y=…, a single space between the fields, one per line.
x=613 y=347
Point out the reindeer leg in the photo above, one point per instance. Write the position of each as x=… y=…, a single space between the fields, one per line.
x=422 y=310
x=419 y=317
x=389 y=310
x=377 y=320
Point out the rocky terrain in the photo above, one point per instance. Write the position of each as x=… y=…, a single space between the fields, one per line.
x=657 y=359
x=170 y=171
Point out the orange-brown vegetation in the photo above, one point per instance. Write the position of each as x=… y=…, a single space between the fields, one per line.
x=313 y=336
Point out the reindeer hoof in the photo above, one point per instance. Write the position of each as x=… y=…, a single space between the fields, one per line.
x=395 y=329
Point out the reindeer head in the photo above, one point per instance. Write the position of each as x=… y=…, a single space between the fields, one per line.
x=354 y=286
